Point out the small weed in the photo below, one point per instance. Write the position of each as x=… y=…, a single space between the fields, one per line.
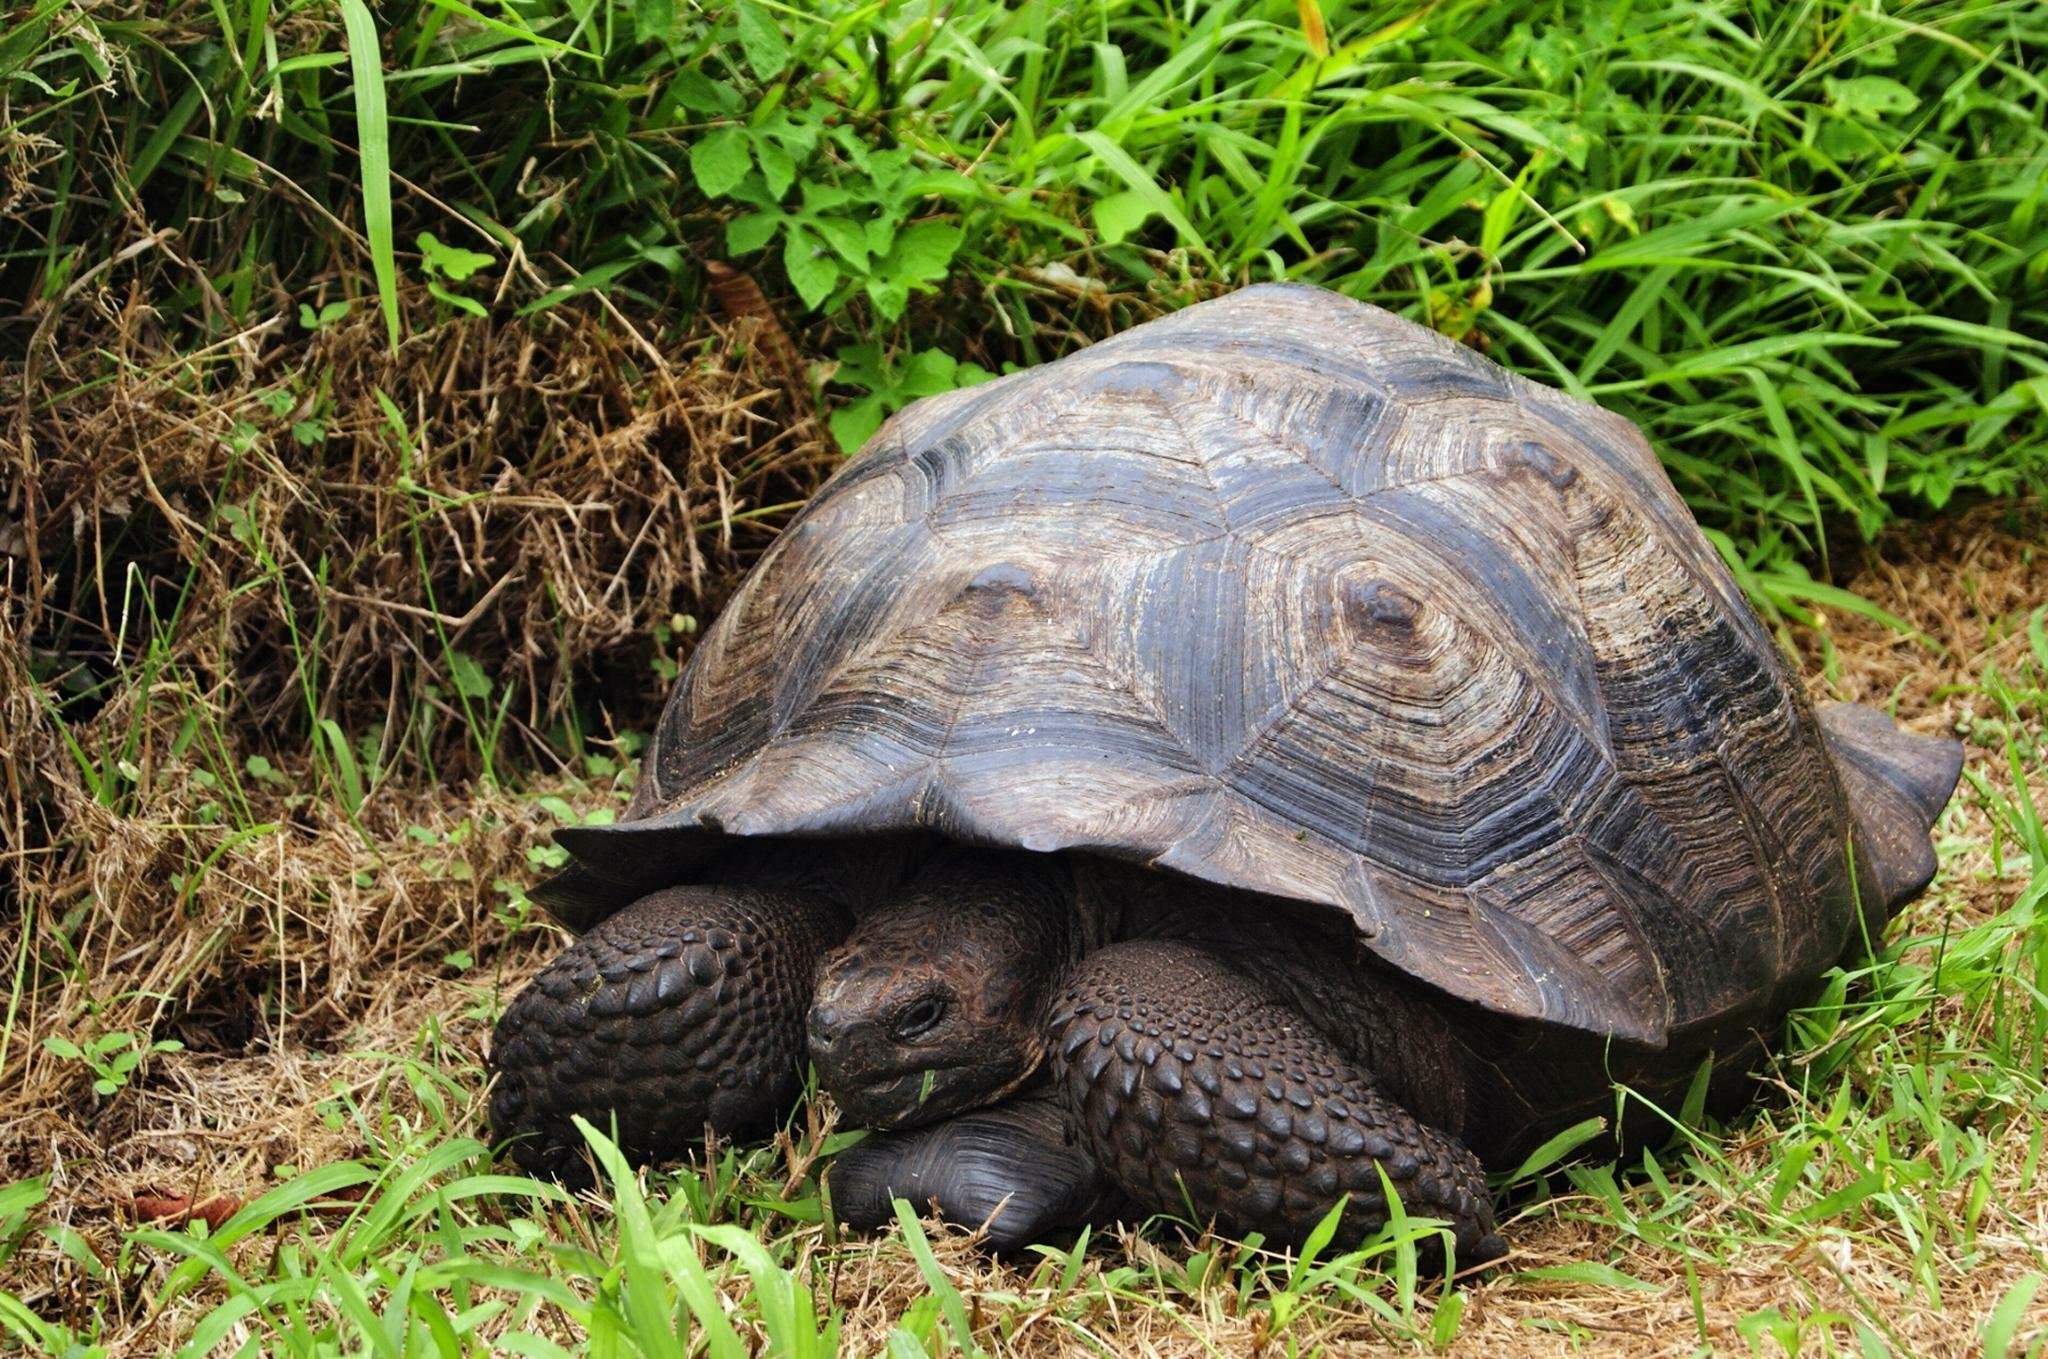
x=111 y=1057
x=892 y=381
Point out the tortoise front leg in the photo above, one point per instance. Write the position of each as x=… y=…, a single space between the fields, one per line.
x=1193 y=1088
x=684 y=1009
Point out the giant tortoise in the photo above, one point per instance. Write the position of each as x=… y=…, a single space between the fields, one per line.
x=1268 y=751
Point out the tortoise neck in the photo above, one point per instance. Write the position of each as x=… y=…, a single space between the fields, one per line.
x=1013 y=901
x=1009 y=911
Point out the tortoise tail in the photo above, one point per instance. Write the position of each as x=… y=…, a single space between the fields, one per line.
x=1897 y=784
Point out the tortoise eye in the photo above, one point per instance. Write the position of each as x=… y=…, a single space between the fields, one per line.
x=920 y=1017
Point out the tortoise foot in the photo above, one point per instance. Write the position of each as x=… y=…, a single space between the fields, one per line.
x=1009 y=1169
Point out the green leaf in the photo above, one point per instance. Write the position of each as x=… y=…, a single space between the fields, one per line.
x=108 y=1042
x=169 y=128
x=699 y=93
x=1591 y=1273
x=856 y=422
x=719 y=161
x=455 y=300
x=2008 y=1316
x=951 y=1306
x=924 y=251
x=881 y=234
x=1120 y=214
x=778 y=167
x=24 y=36
x=1119 y=162
x=63 y=1047
x=373 y=147
x=1870 y=96
x=1558 y=1147
x=822 y=197
x=325 y=317
x=1443 y=1326
x=844 y=237
x=761 y=39
x=530 y=1346
x=745 y=235
x=346 y=774
x=591 y=279
x=930 y=372
x=890 y=296
x=921 y=254
x=452 y=262
x=653 y=20
x=470 y=677
x=811 y=270
x=22 y=1195
x=862 y=365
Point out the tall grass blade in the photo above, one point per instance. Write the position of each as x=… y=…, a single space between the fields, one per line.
x=373 y=147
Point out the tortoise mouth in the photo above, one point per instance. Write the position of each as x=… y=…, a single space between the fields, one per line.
x=927 y=1094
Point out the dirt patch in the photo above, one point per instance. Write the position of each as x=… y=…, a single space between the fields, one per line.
x=1966 y=586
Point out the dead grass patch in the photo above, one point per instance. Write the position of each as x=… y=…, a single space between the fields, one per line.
x=216 y=567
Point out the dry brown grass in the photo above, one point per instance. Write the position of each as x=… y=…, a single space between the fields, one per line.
x=566 y=495
x=187 y=583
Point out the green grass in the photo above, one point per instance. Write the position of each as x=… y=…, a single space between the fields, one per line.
x=1803 y=245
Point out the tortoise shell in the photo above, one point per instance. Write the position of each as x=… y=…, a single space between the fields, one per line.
x=1287 y=594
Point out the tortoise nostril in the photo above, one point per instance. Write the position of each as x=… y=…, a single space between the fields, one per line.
x=824 y=1025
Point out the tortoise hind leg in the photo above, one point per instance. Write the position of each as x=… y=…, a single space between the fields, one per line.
x=684 y=1009
x=1191 y=1087
x=1897 y=783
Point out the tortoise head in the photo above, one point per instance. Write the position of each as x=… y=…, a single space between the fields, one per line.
x=934 y=1005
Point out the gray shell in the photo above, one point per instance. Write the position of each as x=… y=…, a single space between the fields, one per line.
x=1285 y=593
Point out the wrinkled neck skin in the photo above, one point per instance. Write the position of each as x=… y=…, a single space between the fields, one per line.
x=932 y=1007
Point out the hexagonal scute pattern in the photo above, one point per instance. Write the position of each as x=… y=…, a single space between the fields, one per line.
x=1289 y=594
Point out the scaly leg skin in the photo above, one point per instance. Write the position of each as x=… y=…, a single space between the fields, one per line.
x=684 y=1009
x=1008 y=1167
x=1192 y=1088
